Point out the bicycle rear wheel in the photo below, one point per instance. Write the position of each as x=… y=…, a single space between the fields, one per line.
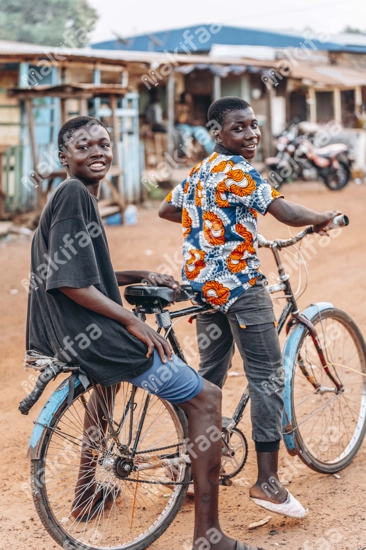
x=330 y=425
x=130 y=514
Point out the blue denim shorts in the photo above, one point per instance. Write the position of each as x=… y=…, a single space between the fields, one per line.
x=173 y=381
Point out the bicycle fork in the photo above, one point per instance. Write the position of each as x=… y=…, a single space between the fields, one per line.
x=314 y=336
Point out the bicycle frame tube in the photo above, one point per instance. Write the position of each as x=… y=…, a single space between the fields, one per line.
x=141 y=423
x=285 y=280
x=174 y=342
x=239 y=411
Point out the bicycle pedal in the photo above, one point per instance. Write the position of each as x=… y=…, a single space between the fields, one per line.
x=225 y=422
x=226 y=482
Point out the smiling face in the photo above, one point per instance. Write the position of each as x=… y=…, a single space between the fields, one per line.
x=88 y=154
x=240 y=133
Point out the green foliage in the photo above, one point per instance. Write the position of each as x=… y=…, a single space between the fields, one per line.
x=353 y=30
x=49 y=22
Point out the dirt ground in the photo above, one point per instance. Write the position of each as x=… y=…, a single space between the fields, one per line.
x=337 y=273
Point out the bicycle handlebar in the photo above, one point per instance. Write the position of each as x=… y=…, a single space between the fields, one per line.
x=339 y=221
x=44 y=378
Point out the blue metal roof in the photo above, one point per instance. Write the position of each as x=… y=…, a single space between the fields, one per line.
x=200 y=38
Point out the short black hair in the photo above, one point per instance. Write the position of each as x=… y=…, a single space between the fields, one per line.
x=218 y=109
x=72 y=125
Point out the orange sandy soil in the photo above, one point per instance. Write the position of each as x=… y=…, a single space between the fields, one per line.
x=337 y=273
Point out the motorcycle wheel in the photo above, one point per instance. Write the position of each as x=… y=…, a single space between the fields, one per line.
x=338 y=179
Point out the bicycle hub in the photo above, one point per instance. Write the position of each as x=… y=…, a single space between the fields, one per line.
x=123 y=467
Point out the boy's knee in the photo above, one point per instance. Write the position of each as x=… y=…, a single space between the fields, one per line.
x=210 y=397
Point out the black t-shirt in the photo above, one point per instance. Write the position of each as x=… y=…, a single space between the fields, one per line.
x=70 y=248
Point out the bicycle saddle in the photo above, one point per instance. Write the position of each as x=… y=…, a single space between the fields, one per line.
x=150 y=296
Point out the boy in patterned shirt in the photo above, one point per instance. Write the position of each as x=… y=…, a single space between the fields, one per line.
x=218 y=205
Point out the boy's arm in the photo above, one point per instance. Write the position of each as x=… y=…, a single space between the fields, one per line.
x=169 y=212
x=296 y=215
x=91 y=298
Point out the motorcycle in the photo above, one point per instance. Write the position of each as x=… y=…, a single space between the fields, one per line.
x=298 y=158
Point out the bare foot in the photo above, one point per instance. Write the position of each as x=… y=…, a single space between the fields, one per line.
x=225 y=543
x=83 y=505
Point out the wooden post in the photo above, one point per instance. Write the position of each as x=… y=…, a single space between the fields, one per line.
x=245 y=88
x=63 y=110
x=33 y=144
x=2 y=194
x=270 y=95
x=337 y=105
x=216 y=87
x=171 y=114
x=312 y=105
x=96 y=80
x=113 y=104
x=358 y=96
x=83 y=106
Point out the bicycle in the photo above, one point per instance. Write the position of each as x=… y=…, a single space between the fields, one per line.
x=137 y=451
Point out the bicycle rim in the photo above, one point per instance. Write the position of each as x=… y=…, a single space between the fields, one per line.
x=130 y=514
x=330 y=426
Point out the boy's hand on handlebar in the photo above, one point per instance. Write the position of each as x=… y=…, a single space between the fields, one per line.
x=328 y=216
x=160 y=279
x=152 y=339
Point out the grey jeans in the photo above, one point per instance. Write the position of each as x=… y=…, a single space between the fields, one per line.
x=250 y=323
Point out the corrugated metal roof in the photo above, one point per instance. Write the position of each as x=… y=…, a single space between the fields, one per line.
x=329 y=75
x=70 y=90
x=204 y=36
x=321 y=73
x=350 y=39
x=252 y=52
x=24 y=50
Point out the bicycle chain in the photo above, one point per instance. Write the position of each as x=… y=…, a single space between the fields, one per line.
x=159 y=449
x=157 y=482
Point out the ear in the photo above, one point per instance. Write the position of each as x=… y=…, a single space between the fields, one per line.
x=217 y=136
x=62 y=158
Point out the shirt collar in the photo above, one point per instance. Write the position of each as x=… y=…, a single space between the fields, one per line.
x=222 y=150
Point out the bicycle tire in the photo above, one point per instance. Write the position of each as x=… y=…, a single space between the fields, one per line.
x=58 y=527
x=310 y=436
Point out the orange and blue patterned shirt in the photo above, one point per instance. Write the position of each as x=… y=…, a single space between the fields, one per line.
x=219 y=201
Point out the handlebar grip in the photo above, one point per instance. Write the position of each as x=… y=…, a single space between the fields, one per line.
x=44 y=378
x=339 y=221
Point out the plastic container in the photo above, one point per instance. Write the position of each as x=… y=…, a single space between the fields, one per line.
x=130 y=215
x=114 y=219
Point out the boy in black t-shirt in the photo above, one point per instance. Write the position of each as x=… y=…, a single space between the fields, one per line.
x=75 y=312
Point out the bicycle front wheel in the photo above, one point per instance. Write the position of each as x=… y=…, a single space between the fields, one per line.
x=330 y=423
x=97 y=487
